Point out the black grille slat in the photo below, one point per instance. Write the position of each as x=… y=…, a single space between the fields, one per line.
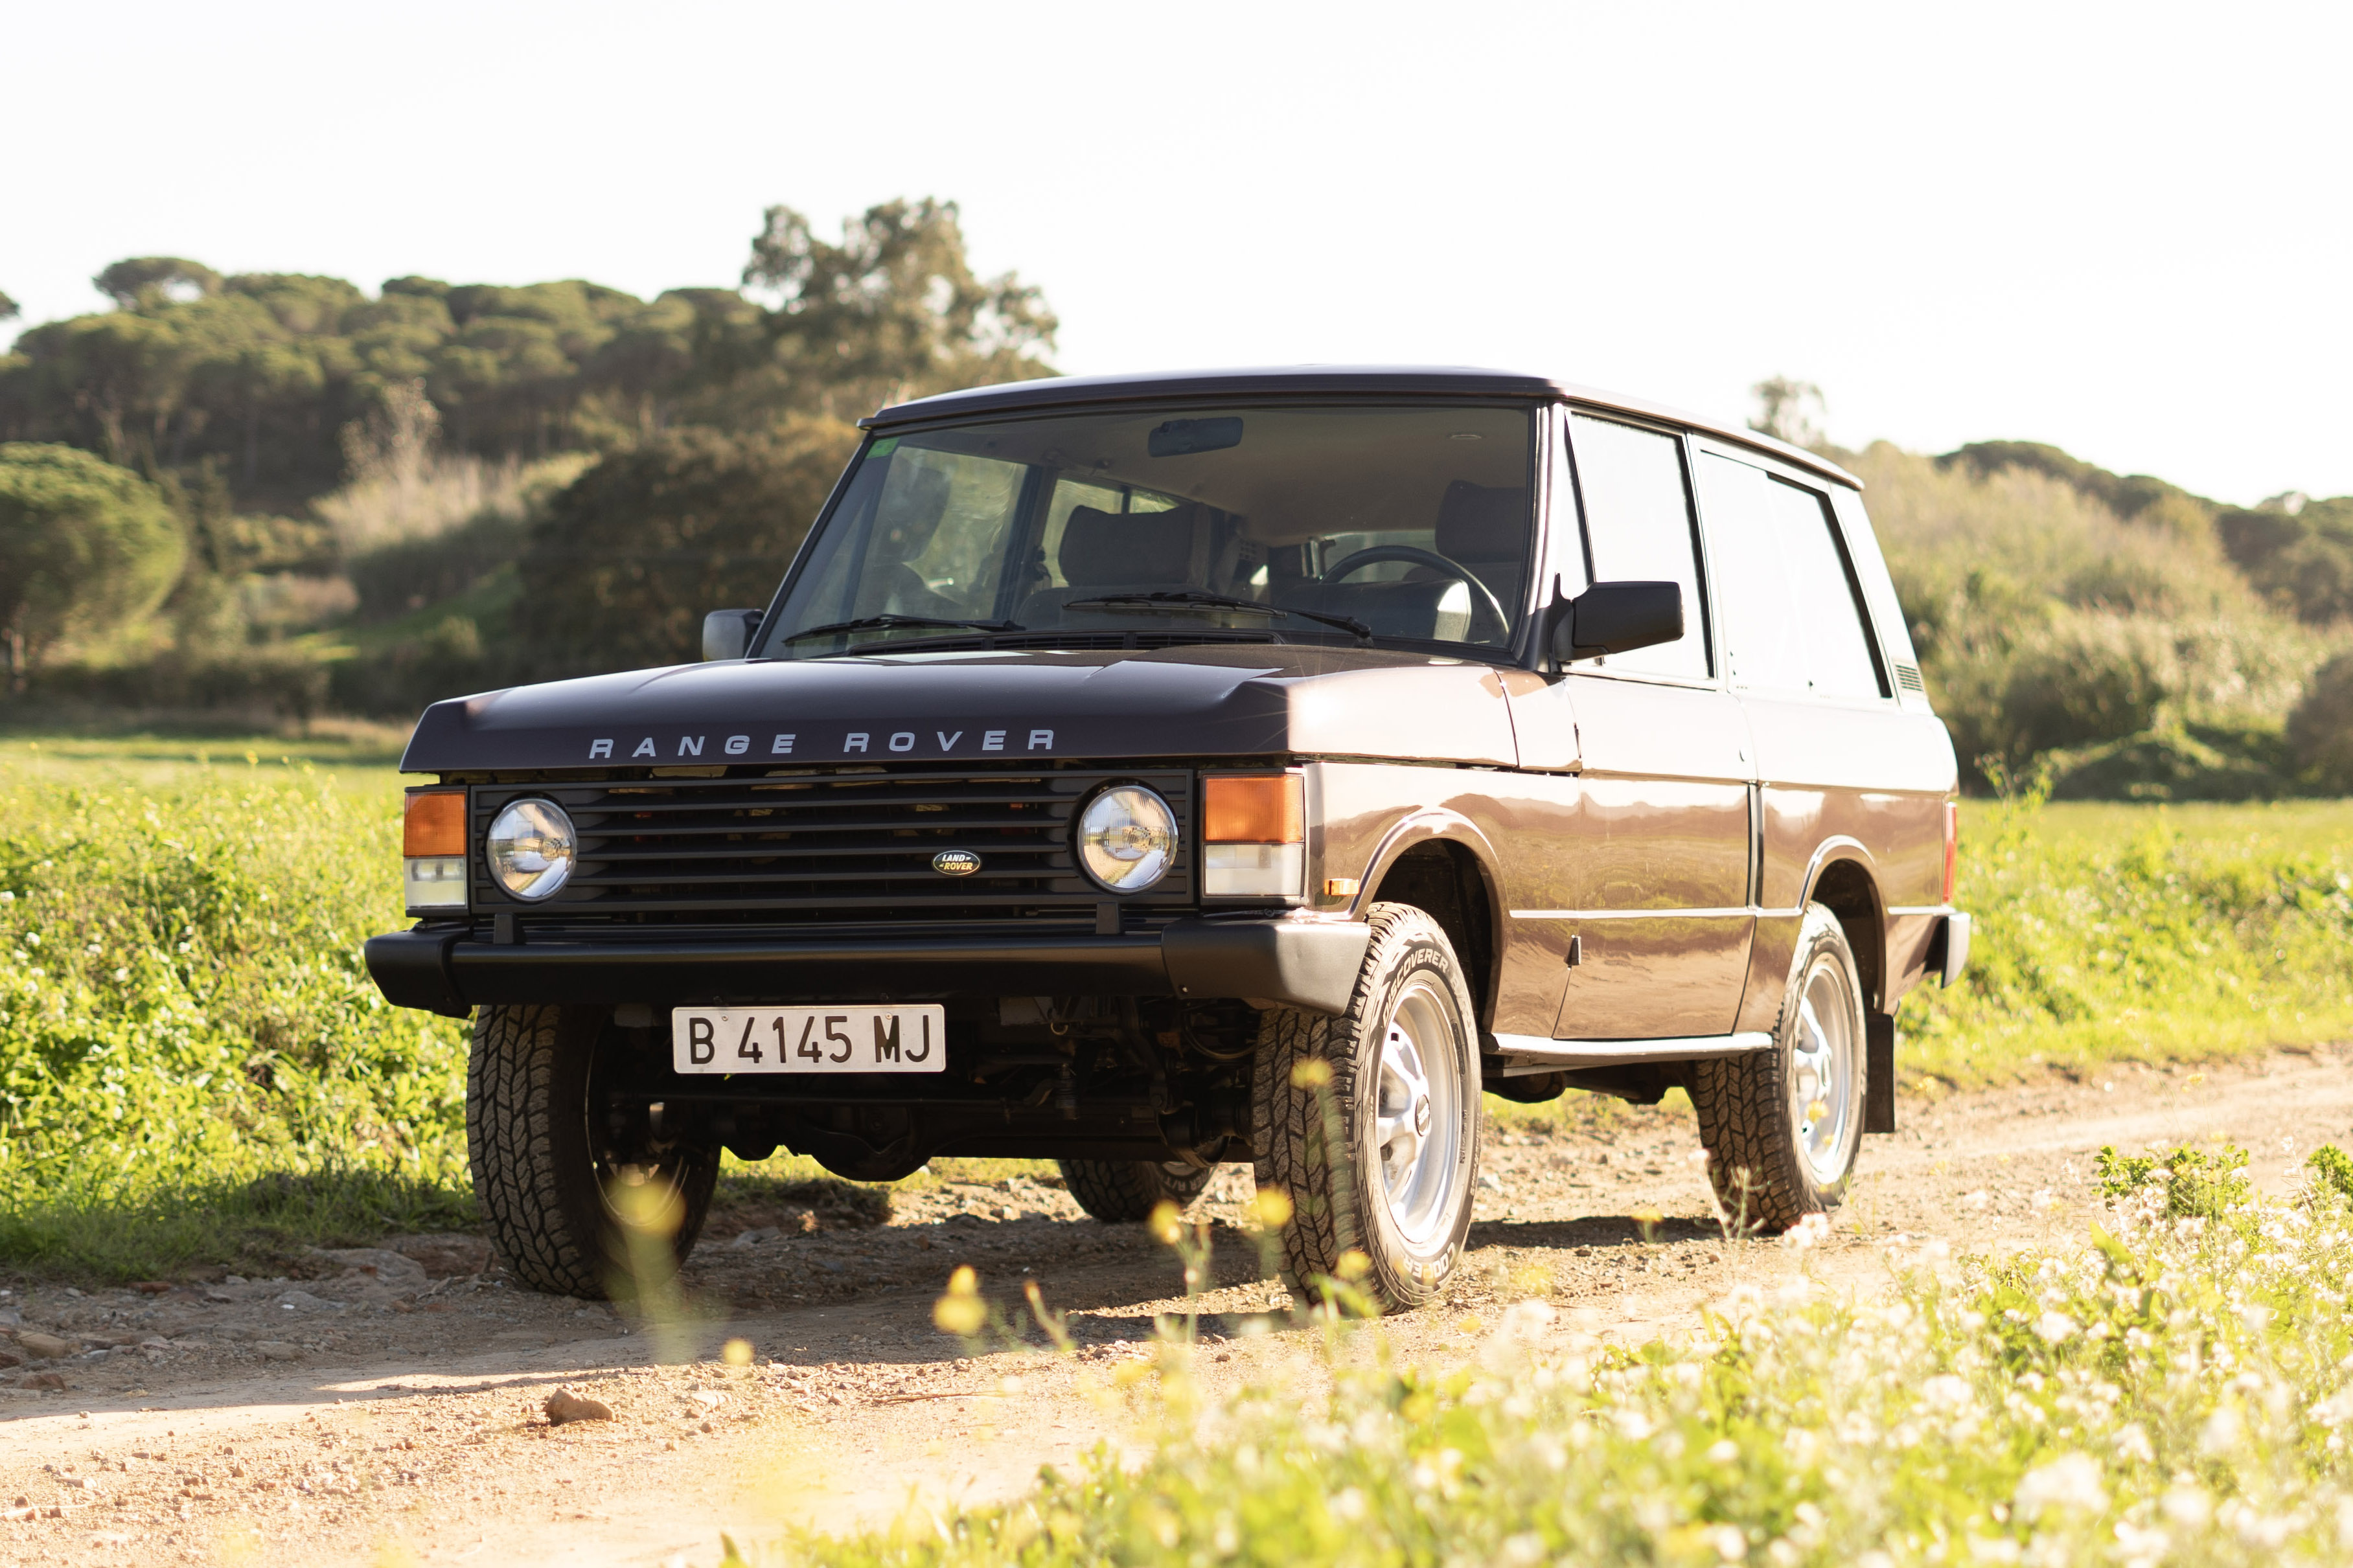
x=773 y=824
x=742 y=848
x=759 y=852
x=743 y=875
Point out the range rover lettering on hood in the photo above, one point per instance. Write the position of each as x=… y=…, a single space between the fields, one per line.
x=853 y=742
x=974 y=710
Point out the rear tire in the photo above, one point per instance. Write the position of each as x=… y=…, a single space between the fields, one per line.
x=1782 y=1127
x=1369 y=1121
x=1122 y=1192
x=553 y=1195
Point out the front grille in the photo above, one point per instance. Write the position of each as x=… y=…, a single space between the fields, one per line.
x=827 y=846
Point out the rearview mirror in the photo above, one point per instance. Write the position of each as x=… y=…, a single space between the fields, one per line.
x=1617 y=618
x=727 y=633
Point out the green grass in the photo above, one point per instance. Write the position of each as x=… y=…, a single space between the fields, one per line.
x=2174 y=1389
x=194 y=1068
x=194 y=1065
x=2111 y=932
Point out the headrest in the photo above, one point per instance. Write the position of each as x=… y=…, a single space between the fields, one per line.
x=920 y=502
x=1482 y=522
x=1106 y=549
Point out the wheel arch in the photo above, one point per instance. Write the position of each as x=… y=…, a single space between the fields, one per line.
x=1844 y=879
x=1441 y=863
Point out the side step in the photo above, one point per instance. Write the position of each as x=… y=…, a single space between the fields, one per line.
x=1522 y=1055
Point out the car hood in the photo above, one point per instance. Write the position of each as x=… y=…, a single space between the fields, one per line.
x=982 y=706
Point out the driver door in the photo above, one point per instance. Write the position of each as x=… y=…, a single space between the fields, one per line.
x=1635 y=868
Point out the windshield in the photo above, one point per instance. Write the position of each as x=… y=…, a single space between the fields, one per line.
x=1132 y=528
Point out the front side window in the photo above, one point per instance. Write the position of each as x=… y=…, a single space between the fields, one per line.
x=1637 y=528
x=1408 y=525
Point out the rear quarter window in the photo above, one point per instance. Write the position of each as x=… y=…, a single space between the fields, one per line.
x=1792 y=620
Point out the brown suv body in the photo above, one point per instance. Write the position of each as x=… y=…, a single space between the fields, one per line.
x=1621 y=849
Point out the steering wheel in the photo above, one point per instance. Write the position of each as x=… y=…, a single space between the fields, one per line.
x=1481 y=597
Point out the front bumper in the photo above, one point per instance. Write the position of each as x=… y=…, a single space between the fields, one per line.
x=1309 y=963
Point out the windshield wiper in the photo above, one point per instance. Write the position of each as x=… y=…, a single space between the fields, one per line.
x=881 y=622
x=1195 y=598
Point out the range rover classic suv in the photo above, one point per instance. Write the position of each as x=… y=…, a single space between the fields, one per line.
x=1153 y=771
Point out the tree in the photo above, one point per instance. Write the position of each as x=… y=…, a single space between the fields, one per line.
x=84 y=546
x=893 y=311
x=621 y=570
x=1789 y=411
x=143 y=282
x=9 y=310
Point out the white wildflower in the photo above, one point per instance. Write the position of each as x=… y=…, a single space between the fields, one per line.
x=2143 y=1548
x=2068 y=1481
x=1522 y=1550
x=1946 y=1391
x=2132 y=1443
x=1724 y=1451
x=2222 y=1432
x=1729 y=1543
x=2191 y=1509
x=2055 y=1328
x=1808 y=1231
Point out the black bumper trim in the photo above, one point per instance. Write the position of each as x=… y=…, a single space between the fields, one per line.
x=1304 y=963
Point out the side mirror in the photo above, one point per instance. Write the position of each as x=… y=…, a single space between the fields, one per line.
x=1616 y=618
x=727 y=633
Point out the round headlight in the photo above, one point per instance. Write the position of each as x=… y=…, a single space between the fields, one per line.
x=531 y=845
x=1127 y=837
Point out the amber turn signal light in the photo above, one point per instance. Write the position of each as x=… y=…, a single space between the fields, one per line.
x=1256 y=808
x=433 y=822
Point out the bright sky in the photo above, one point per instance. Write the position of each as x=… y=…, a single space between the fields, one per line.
x=2125 y=229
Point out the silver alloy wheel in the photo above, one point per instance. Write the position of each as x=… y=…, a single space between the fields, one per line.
x=1822 y=1069
x=1418 y=1121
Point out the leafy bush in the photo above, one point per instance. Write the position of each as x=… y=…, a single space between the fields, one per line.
x=2320 y=729
x=2197 y=1186
x=2086 y=675
x=84 y=545
x=183 y=1014
x=2176 y=1391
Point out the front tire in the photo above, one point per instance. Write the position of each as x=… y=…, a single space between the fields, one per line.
x=1369 y=1121
x=568 y=1214
x=1122 y=1192
x=1782 y=1127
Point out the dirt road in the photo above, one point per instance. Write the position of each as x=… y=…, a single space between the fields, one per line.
x=390 y=1411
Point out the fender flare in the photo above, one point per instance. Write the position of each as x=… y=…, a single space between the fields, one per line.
x=1439 y=825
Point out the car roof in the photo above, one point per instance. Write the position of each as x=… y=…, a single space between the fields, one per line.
x=1413 y=380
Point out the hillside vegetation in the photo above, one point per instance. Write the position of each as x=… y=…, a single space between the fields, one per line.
x=268 y=497
x=2105 y=633
x=360 y=485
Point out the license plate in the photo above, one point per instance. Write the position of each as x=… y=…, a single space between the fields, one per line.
x=808 y=1039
